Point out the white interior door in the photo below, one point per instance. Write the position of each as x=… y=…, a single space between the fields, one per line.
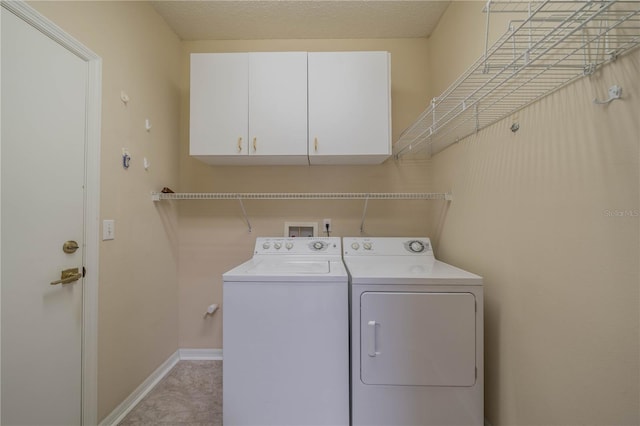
x=44 y=100
x=418 y=339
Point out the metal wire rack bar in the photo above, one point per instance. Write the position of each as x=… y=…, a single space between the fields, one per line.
x=157 y=196
x=240 y=196
x=557 y=42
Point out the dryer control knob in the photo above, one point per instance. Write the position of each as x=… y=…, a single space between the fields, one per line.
x=367 y=246
x=355 y=246
x=416 y=246
x=277 y=246
x=289 y=246
x=266 y=246
x=318 y=245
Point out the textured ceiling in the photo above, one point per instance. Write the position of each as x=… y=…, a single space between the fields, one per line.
x=268 y=19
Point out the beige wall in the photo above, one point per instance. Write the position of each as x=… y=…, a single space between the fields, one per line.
x=138 y=293
x=213 y=235
x=532 y=214
x=535 y=214
x=460 y=39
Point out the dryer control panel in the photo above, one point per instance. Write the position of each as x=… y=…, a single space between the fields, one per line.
x=387 y=246
x=308 y=246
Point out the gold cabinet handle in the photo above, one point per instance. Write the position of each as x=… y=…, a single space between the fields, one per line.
x=315 y=144
x=255 y=144
x=68 y=276
x=239 y=144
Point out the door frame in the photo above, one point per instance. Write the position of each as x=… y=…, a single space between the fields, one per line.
x=89 y=367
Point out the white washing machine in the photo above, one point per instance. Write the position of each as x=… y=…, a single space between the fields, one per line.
x=416 y=336
x=285 y=335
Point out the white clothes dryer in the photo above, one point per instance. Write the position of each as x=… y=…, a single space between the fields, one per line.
x=286 y=336
x=416 y=336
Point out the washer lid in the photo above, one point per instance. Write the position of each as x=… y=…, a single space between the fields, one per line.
x=288 y=269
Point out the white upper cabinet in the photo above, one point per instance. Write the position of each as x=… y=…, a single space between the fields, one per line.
x=278 y=108
x=349 y=107
x=219 y=122
x=249 y=108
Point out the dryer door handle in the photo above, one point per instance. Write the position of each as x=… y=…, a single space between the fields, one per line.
x=372 y=339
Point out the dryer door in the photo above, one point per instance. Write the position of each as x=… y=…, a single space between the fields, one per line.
x=418 y=339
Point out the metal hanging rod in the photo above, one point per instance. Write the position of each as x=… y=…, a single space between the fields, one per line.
x=556 y=43
x=157 y=196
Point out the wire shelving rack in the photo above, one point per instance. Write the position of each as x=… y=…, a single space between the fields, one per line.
x=555 y=43
x=240 y=196
x=157 y=196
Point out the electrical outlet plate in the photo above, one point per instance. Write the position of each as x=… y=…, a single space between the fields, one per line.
x=300 y=229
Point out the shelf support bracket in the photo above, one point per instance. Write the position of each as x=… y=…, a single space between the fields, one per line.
x=244 y=213
x=364 y=214
x=477 y=116
x=485 y=69
x=615 y=92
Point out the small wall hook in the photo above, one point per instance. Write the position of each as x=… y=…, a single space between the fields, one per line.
x=615 y=92
x=126 y=159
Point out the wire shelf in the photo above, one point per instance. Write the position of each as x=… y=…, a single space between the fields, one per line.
x=557 y=42
x=240 y=196
x=157 y=196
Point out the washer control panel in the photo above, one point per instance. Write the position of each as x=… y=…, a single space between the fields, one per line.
x=387 y=246
x=298 y=246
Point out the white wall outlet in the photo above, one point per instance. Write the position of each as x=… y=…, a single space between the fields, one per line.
x=108 y=229
x=326 y=226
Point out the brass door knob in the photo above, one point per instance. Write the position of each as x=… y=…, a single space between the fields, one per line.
x=70 y=246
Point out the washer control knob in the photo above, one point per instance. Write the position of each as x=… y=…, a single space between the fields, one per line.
x=289 y=246
x=277 y=246
x=355 y=246
x=416 y=246
x=266 y=246
x=318 y=245
x=367 y=246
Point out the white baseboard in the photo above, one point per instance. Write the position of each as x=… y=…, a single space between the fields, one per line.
x=200 y=354
x=120 y=412
x=140 y=392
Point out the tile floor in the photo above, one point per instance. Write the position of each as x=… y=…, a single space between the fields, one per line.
x=191 y=394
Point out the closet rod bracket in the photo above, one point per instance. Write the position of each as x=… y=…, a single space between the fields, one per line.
x=364 y=214
x=244 y=213
x=615 y=92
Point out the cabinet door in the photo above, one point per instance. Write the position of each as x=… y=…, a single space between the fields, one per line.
x=278 y=104
x=219 y=92
x=349 y=107
x=418 y=339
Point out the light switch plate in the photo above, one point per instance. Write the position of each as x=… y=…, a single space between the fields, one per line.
x=108 y=229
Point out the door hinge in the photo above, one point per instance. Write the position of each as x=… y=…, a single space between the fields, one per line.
x=84 y=272
x=476 y=372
